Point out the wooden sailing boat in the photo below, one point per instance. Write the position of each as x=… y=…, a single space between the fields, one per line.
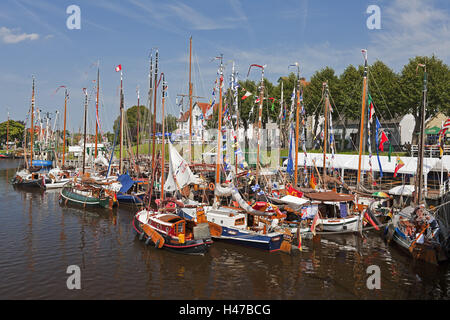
x=86 y=191
x=168 y=230
x=243 y=226
x=416 y=229
x=30 y=176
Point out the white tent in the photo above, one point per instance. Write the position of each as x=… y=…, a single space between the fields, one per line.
x=351 y=162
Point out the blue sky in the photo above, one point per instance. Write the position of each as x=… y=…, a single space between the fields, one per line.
x=34 y=40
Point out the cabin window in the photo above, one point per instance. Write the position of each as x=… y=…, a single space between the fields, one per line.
x=180 y=228
x=239 y=222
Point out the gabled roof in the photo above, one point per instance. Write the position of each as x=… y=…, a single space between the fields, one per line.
x=204 y=107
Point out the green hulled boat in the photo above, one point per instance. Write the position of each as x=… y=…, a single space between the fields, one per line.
x=88 y=195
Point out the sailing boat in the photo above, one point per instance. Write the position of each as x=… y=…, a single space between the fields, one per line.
x=30 y=176
x=241 y=225
x=58 y=176
x=87 y=191
x=168 y=230
x=424 y=235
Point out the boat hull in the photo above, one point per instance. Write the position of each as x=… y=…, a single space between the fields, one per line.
x=269 y=243
x=194 y=247
x=340 y=224
x=424 y=252
x=66 y=195
x=130 y=199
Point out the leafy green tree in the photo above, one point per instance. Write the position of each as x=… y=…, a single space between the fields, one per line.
x=16 y=129
x=383 y=88
x=171 y=123
x=313 y=92
x=411 y=89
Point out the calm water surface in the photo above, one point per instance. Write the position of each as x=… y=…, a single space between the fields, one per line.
x=39 y=239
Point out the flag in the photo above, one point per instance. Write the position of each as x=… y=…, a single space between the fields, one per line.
x=273 y=104
x=383 y=139
x=313 y=182
x=378 y=126
x=246 y=95
x=398 y=165
x=118 y=68
x=294 y=192
x=371 y=109
x=314 y=223
x=441 y=146
x=290 y=164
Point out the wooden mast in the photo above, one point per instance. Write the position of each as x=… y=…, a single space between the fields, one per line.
x=96 y=110
x=363 y=113
x=85 y=120
x=150 y=93
x=418 y=183
x=138 y=121
x=7 y=134
x=191 y=155
x=64 y=132
x=297 y=124
x=32 y=127
x=163 y=136
x=325 y=132
x=154 y=115
x=261 y=97
x=236 y=106
x=121 y=122
x=219 y=136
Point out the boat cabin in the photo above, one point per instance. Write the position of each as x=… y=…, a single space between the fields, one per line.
x=172 y=225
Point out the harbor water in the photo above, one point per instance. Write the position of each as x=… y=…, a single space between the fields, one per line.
x=40 y=239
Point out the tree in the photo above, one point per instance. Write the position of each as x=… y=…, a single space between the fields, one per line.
x=313 y=92
x=16 y=129
x=411 y=89
x=350 y=86
x=383 y=88
x=171 y=123
x=131 y=122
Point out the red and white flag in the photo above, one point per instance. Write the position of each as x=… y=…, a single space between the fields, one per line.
x=445 y=127
x=246 y=95
x=118 y=68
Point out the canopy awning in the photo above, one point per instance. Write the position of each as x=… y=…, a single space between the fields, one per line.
x=330 y=196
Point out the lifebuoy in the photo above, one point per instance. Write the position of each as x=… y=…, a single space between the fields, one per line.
x=211 y=186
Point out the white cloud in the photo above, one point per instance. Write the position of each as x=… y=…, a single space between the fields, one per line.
x=410 y=28
x=10 y=36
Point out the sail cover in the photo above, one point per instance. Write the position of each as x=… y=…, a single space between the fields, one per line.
x=180 y=174
x=126 y=182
